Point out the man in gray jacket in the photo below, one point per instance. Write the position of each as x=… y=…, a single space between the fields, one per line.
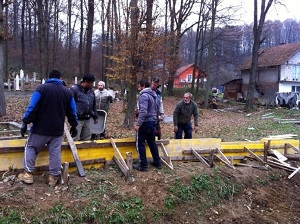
x=103 y=100
x=182 y=115
x=146 y=126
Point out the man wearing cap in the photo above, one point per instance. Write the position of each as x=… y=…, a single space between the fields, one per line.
x=86 y=107
x=51 y=102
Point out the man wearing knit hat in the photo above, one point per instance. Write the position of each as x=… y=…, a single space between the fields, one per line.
x=103 y=100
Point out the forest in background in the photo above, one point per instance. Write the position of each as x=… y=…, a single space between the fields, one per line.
x=121 y=41
x=64 y=42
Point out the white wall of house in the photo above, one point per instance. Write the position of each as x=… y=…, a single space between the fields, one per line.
x=295 y=59
x=289 y=87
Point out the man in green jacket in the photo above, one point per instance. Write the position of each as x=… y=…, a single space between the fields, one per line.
x=182 y=115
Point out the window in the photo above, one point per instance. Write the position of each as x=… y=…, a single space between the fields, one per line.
x=296 y=73
x=295 y=88
x=189 y=78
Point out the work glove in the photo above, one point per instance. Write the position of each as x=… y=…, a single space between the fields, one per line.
x=73 y=132
x=23 y=129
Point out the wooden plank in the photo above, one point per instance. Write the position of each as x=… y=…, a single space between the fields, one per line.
x=74 y=152
x=167 y=164
x=199 y=151
x=253 y=166
x=225 y=162
x=292 y=174
x=118 y=158
x=254 y=155
x=166 y=160
x=278 y=165
x=294 y=148
x=279 y=155
x=122 y=168
x=225 y=158
x=119 y=155
x=279 y=161
x=199 y=157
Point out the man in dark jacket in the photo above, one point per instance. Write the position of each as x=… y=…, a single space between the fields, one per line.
x=182 y=115
x=86 y=107
x=50 y=104
x=146 y=126
x=155 y=86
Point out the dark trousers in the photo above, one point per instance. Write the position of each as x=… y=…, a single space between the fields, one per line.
x=147 y=133
x=187 y=129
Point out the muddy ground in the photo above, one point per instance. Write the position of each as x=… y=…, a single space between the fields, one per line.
x=262 y=196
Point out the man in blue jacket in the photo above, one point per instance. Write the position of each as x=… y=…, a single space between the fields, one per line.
x=146 y=126
x=50 y=104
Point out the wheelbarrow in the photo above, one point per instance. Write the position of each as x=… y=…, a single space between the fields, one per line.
x=100 y=126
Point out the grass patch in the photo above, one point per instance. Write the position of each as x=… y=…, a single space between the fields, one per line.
x=205 y=190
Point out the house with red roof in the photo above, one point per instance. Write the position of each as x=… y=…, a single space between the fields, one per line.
x=184 y=76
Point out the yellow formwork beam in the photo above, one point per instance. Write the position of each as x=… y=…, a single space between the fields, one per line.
x=12 y=151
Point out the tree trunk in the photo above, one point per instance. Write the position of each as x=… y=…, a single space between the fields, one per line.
x=257 y=30
x=89 y=37
x=199 y=31
x=23 y=35
x=2 y=41
x=69 y=36
x=42 y=38
x=210 y=50
x=80 y=46
x=134 y=15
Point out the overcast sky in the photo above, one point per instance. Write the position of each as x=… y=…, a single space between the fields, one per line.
x=277 y=11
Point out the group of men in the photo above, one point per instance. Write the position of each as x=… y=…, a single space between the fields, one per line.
x=49 y=105
x=149 y=111
x=52 y=102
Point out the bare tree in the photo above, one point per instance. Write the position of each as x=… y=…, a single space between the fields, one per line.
x=177 y=19
x=23 y=33
x=257 y=31
x=3 y=38
x=80 y=46
x=89 y=36
x=42 y=37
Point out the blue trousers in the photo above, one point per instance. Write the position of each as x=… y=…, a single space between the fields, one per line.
x=147 y=133
x=187 y=129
